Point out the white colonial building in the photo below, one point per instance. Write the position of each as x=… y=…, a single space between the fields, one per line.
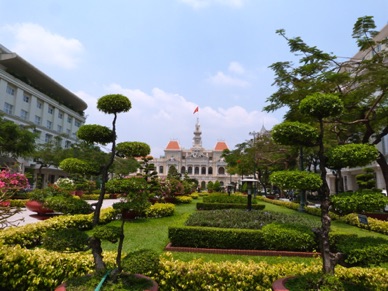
x=202 y=164
x=30 y=98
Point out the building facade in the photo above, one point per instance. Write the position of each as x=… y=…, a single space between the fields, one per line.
x=202 y=164
x=30 y=98
x=349 y=174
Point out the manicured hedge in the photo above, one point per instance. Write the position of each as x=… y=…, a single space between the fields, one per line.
x=224 y=198
x=213 y=206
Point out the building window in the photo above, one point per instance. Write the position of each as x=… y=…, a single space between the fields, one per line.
x=77 y=123
x=203 y=171
x=49 y=124
x=190 y=170
x=39 y=104
x=11 y=90
x=183 y=169
x=50 y=109
x=74 y=135
x=69 y=119
x=26 y=97
x=160 y=169
x=48 y=138
x=60 y=115
x=38 y=133
x=8 y=108
x=23 y=114
x=210 y=171
x=68 y=132
x=196 y=171
x=38 y=120
x=67 y=144
x=59 y=128
x=221 y=171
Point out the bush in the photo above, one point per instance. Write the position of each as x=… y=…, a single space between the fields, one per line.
x=224 y=198
x=183 y=199
x=288 y=237
x=215 y=206
x=160 y=210
x=65 y=240
x=144 y=262
x=68 y=205
x=358 y=202
x=52 y=191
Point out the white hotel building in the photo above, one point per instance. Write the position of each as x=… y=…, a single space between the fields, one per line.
x=30 y=98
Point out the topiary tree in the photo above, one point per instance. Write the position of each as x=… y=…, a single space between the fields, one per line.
x=300 y=180
x=366 y=180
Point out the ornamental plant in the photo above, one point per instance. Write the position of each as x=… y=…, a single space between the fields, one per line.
x=10 y=183
x=65 y=183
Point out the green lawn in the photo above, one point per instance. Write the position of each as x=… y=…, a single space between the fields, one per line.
x=153 y=234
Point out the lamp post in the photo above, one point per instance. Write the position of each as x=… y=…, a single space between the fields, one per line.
x=251 y=185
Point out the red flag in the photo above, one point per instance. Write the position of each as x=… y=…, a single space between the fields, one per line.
x=196 y=110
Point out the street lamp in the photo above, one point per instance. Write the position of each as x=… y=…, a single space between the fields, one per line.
x=251 y=188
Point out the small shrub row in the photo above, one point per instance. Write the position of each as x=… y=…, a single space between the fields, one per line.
x=224 y=198
x=183 y=199
x=375 y=225
x=213 y=206
x=358 y=202
x=18 y=202
x=160 y=210
x=93 y=196
x=247 y=276
x=31 y=235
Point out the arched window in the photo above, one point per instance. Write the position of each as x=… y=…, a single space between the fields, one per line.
x=221 y=171
x=196 y=171
x=210 y=171
x=160 y=169
x=183 y=169
x=203 y=171
x=190 y=170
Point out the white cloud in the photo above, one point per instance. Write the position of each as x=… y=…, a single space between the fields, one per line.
x=198 y=4
x=236 y=67
x=39 y=45
x=160 y=116
x=222 y=79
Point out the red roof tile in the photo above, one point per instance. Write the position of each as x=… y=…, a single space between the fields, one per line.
x=173 y=145
x=220 y=146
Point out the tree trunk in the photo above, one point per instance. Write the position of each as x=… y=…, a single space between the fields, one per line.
x=95 y=245
x=384 y=167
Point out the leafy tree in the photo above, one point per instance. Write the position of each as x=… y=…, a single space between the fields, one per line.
x=16 y=141
x=361 y=84
x=300 y=180
x=366 y=180
x=173 y=173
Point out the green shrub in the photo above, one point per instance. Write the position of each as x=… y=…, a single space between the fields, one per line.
x=220 y=238
x=224 y=198
x=160 y=210
x=65 y=240
x=194 y=195
x=215 y=206
x=358 y=202
x=144 y=262
x=93 y=196
x=52 y=191
x=373 y=224
x=18 y=203
x=107 y=232
x=288 y=237
x=183 y=199
x=68 y=205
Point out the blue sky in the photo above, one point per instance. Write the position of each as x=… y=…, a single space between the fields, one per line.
x=170 y=56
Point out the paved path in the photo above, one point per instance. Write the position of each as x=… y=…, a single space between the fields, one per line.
x=31 y=217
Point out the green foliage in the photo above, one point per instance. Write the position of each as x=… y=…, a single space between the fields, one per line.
x=288 y=237
x=107 y=232
x=51 y=191
x=183 y=199
x=351 y=155
x=65 y=240
x=160 y=210
x=143 y=261
x=215 y=206
x=113 y=104
x=95 y=133
x=224 y=198
x=358 y=202
x=75 y=165
x=366 y=180
x=132 y=149
x=295 y=134
x=68 y=205
x=300 y=180
x=320 y=105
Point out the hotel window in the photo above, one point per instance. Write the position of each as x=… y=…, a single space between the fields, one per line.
x=8 y=108
x=50 y=109
x=38 y=133
x=11 y=90
x=39 y=104
x=38 y=120
x=60 y=115
x=77 y=123
x=74 y=135
x=59 y=128
x=49 y=124
x=67 y=144
x=68 y=132
x=69 y=119
x=48 y=138
x=26 y=97
x=23 y=114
